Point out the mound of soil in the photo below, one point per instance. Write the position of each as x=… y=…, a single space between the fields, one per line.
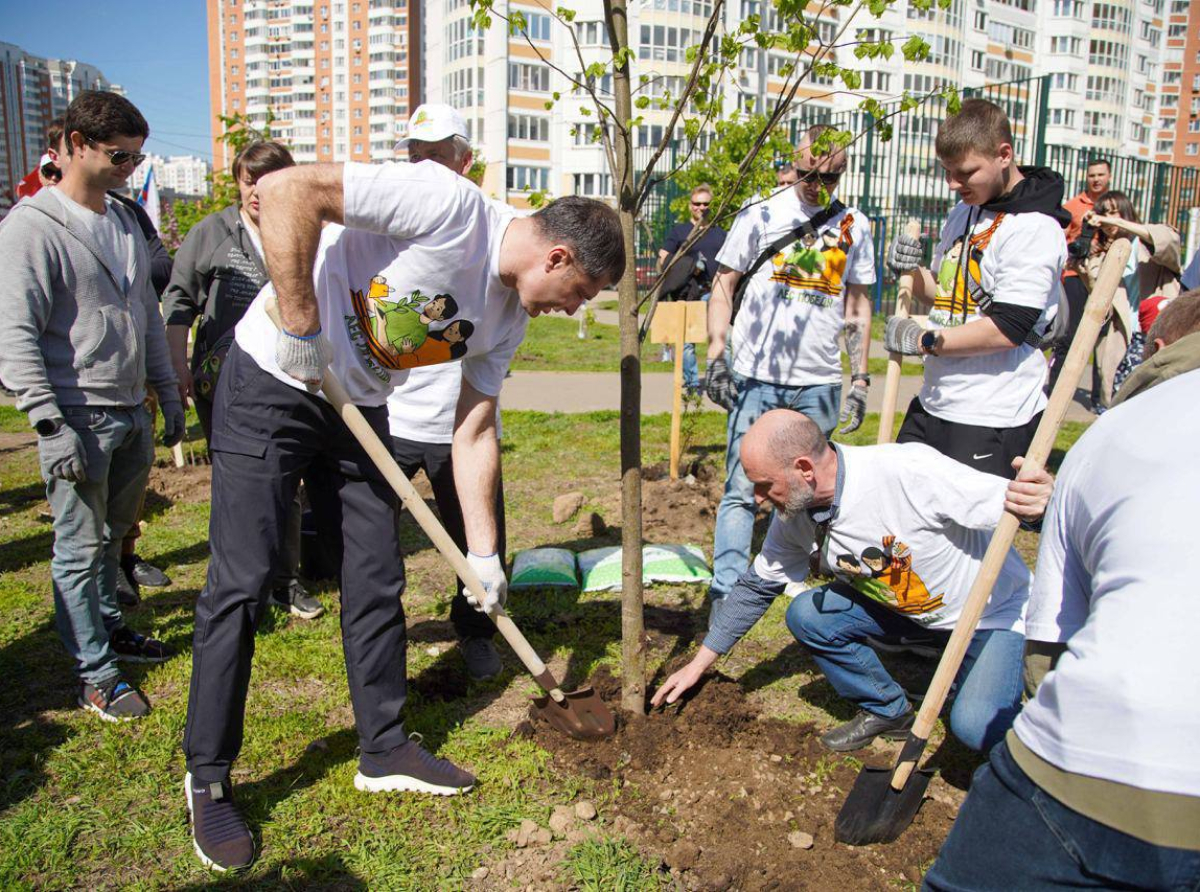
x=191 y=483
x=730 y=799
x=683 y=510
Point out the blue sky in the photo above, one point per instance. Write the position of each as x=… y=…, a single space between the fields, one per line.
x=158 y=51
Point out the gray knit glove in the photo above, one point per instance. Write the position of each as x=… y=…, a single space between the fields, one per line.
x=905 y=255
x=903 y=336
x=174 y=422
x=719 y=384
x=853 y=409
x=62 y=454
x=303 y=358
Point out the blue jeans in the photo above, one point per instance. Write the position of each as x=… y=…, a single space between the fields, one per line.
x=831 y=622
x=1011 y=834
x=735 y=515
x=90 y=520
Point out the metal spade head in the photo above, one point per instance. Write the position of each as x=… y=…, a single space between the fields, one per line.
x=874 y=812
x=581 y=714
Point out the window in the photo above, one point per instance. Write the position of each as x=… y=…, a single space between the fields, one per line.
x=1068 y=9
x=1170 y=100
x=1061 y=81
x=1101 y=124
x=587 y=133
x=1105 y=89
x=1110 y=17
x=537 y=25
x=1061 y=45
x=663 y=43
x=980 y=20
x=1150 y=34
x=1062 y=117
x=1192 y=148
x=687 y=7
x=462 y=40
x=977 y=60
x=1010 y=35
x=528 y=77
x=598 y=185
x=1107 y=52
x=524 y=178
x=531 y=127
x=876 y=80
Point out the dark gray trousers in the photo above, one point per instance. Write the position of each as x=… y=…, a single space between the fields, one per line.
x=265 y=436
x=435 y=460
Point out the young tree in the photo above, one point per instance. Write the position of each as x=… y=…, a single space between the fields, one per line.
x=791 y=27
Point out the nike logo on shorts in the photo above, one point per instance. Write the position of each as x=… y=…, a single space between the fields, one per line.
x=980 y=457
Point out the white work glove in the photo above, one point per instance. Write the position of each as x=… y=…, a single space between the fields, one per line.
x=903 y=336
x=853 y=409
x=174 y=422
x=906 y=254
x=62 y=454
x=303 y=358
x=495 y=584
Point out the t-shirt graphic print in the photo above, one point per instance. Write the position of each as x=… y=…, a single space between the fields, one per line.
x=960 y=278
x=812 y=269
x=397 y=333
x=886 y=574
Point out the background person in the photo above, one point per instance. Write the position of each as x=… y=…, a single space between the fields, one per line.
x=813 y=265
x=78 y=276
x=219 y=269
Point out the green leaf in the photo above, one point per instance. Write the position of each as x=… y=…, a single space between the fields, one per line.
x=642 y=102
x=915 y=49
x=567 y=15
x=953 y=99
x=517 y=23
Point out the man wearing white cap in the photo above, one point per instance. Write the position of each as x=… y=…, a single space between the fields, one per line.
x=438 y=133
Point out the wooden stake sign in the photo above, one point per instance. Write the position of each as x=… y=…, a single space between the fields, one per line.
x=678 y=323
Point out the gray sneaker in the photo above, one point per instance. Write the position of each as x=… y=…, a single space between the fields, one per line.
x=295 y=599
x=481 y=657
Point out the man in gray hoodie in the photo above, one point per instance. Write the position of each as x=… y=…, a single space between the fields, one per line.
x=81 y=340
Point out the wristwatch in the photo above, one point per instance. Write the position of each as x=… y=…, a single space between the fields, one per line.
x=861 y=377
x=48 y=426
x=929 y=342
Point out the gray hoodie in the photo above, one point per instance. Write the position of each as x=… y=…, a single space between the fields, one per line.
x=70 y=335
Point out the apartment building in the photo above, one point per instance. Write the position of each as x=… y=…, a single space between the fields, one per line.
x=337 y=77
x=33 y=92
x=1178 y=127
x=184 y=175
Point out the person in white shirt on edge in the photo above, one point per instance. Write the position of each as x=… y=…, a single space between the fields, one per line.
x=997 y=269
x=1097 y=785
x=421 y=409
x=424 y=270
x=810 y=263
x=903 y=530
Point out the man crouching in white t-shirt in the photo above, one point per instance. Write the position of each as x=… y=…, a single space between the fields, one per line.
x=996 y=270
x=424 y=270
x=903 y=530
x=1097 y=785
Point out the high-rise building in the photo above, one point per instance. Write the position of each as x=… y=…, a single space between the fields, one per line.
x=335 y=77
x=33 y=92
x=1178 y=126
x=183 y=175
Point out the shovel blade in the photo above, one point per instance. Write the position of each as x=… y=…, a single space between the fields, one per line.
x=874 y=812
x=581 y=714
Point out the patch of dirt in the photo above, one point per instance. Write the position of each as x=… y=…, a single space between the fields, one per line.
x=715 y=789
x=683 y=510
x=191 y=483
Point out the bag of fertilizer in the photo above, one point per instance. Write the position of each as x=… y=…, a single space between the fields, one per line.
x=540 y=567
x=600 y=568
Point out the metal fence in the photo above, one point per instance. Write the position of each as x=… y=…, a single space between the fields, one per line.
x=899 y=179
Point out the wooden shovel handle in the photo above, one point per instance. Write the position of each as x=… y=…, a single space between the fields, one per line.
x=1094 y=314
x=891 y=387
x=386 y=463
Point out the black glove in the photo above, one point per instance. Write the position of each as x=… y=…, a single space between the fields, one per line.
x=174 y=422
x=719 y=385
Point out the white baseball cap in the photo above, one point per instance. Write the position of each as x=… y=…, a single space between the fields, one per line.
x=433 y=122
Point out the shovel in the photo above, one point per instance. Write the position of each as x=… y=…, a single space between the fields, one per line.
x=884 y=801
x=891 y=387
x=580 y=714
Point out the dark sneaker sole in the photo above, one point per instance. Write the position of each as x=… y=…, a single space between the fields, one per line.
x=924 y=651
x=402 y=783
x=204 y=859
x=89 y=706
x=298 y=611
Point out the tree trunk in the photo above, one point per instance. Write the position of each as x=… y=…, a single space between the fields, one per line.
x=633 y=648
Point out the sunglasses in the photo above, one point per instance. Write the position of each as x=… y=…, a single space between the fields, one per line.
x=815 y=176
x=119 y=156
x=701 y=204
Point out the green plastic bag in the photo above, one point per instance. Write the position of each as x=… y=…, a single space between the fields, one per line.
x=600 y=568
x=539 y=567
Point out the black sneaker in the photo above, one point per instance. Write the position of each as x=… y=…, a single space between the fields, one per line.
x=143 y=573
x=115 y=700
x=864 y=728
x=219 y=834
x=132 y=647
x=410 y=768
x=296 y=600
x=127 y=590
x=481 y=657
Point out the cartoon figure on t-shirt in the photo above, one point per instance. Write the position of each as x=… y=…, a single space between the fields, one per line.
x=811 y=270
x=889 y=577
x=442 y=346
x=405 y=323
x=960 y=279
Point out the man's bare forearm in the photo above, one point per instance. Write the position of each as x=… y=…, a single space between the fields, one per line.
x=177 y=338
x=476 y=455
x=720 y=310
x=857 y=328
x=293 y=205
x=976 y=338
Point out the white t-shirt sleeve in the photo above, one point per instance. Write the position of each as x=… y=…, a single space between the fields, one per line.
x=784 y=555
x=1059 y=598
x=399 y=199
x=945 y=491
x=1030 y=258
x=860 y=265
x=740 y=249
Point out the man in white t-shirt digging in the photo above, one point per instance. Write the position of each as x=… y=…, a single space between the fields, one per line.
x=425 y=269
x=810 y=262
x=1097 y=785
x=903 y=530
x=997 y=269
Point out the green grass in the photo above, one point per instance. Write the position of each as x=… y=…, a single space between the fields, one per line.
x=84 y=804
